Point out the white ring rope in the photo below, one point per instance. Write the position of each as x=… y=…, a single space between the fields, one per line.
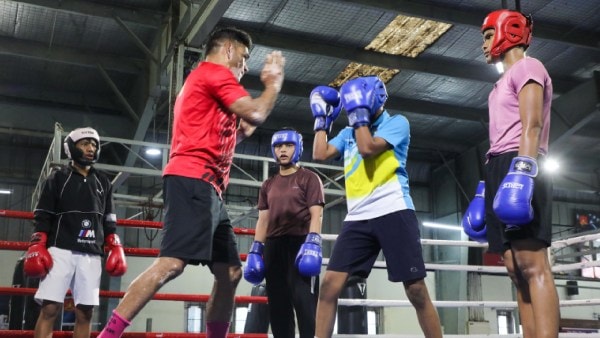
x=469 y=268
x=487 y=269
x=436 y=303
x=515 y=335
x=573 y=240
x=445 y=242
x=329 y=237
x=442 y=242
x=557 y=244
x=454 y=304
x=575 y=266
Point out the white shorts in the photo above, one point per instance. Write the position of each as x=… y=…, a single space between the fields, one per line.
x=71 y=269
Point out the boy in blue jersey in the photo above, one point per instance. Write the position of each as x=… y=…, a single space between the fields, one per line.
x=381 y=215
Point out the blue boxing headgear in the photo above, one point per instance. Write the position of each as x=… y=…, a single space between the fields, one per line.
x=375 y=84
x=288 y=136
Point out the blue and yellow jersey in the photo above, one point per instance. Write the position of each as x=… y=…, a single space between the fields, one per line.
x=379 y=185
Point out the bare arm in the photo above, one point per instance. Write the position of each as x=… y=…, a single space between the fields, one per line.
x=530 y=109
x=321 y=149
x=316 y=218
x=369 y=146
x=262 y=224
x=256 y=110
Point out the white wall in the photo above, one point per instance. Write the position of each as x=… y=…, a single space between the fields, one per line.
x=495 y=288
x=169 y=316
x=400 y=320
x=587 y=290
x=8 y=260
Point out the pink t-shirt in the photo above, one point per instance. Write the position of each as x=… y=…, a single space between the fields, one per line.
x=203 y=128
x=505 y=120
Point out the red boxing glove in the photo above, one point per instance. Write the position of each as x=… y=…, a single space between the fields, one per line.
x=37 y=259
x=116 y=265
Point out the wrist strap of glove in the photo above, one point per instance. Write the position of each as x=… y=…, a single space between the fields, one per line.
x=359 y=117
x=113 y=240
x=38 y=237
x=257 y=248
x=321 y=124
x=524 y=165
x=480 y=191
x=314 y=238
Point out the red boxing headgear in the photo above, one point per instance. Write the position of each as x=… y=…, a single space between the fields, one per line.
x=512 y=29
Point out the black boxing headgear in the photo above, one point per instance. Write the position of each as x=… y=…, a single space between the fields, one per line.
x=75 y=153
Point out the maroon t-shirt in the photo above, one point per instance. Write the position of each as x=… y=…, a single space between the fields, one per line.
x=288 y=199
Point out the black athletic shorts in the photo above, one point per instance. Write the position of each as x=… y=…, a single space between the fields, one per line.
x=396 y=234
x=197 y=228
x=498 y=235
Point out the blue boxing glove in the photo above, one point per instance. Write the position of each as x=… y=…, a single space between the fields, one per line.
x=473 y=221
x=326 y=107
x=309 y=258
x=255 y=266
x=512 y=203
x=357 y=99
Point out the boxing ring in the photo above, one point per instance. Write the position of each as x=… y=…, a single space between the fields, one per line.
x=391 y=303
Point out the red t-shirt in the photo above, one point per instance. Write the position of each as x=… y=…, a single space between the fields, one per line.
x=203 y=128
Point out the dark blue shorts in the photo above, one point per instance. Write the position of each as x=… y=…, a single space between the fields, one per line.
x=396 y=234
x=499 y=237
x=196 y=228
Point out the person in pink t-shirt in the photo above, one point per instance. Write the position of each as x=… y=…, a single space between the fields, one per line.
x=518 y=196
x=197 y=229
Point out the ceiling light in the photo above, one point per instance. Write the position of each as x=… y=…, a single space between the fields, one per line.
x=500 y=67
x=153 y=152
x=442 y=226
x=5 y=191
x=551 y=165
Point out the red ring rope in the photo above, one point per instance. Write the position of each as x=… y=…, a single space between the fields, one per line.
x=159 y=296
x=122 y=222
x=69 y=334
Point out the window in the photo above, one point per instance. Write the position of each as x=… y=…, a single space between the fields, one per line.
x=195 y=317
x=372 y=321
x=506 y=322
x=241 y=313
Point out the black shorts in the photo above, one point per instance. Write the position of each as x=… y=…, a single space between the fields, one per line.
x=396 y=234
x=196 y=227
x=499 y=237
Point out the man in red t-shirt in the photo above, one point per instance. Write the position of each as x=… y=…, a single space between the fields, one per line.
x=205 y=131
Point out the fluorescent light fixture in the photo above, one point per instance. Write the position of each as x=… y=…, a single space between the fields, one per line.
x=5 y=191
x=153 y=151
x=551 y=165
x=500 y=67
x=442 y=226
